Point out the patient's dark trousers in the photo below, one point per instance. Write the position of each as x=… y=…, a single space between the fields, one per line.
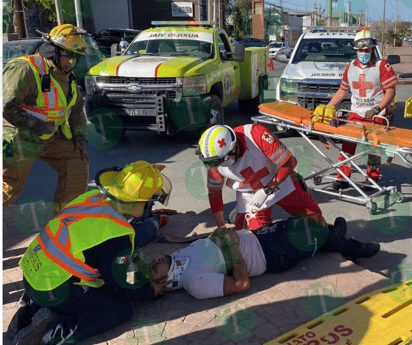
x=282 y=252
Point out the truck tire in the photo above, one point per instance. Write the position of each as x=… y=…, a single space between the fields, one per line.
x=216 y=111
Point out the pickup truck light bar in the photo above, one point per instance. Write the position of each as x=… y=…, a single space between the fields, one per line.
x=182 y=23
x=331 y=28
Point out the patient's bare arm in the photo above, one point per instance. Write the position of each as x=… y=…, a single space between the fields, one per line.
x=239 y=281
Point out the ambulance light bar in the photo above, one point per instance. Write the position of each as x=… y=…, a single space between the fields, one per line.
x=182 y=23
x=331 y=28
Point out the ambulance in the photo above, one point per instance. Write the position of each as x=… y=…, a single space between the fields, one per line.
x=176 y=76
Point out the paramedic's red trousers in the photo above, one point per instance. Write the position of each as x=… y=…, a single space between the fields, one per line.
x=374 y=162
x=299 y=203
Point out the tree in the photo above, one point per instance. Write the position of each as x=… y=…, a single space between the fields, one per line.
x=18 y=19
x=273 y=21
x=321 y=22
x=242 y=18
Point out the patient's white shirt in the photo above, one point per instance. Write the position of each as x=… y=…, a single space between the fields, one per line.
x=203 y=278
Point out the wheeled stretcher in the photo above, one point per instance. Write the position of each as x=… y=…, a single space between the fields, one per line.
x=371 y=139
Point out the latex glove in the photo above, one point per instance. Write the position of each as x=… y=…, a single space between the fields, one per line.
x=259 y=198
x=329 y=113
x=372 y=112
x=319 y=111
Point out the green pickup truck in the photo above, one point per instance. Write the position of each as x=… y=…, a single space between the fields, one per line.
x=176 y=76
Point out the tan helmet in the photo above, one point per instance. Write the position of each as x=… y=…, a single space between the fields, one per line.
x=71 y=38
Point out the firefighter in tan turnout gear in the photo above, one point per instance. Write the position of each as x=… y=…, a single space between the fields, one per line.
x=43 y=116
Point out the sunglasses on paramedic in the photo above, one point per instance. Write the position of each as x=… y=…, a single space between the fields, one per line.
x=220 y=162
x=364 y=44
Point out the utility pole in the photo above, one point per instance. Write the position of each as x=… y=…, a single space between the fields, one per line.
x=329 y=12
x=314 y=13
x=349 y=2
x=360 y=18
x=383 y=28
x=79 y=14
x=59 y=12
x=19 y=19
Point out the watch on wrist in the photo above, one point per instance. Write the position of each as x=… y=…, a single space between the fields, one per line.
x=268 y=190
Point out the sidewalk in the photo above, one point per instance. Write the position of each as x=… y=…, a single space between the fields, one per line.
x=275 y=303
x=405 y=53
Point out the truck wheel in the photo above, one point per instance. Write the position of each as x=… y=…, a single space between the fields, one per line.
x=216 y=111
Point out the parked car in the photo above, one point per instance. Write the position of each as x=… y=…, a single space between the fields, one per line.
x=106 y=37
x=14 y=49
x=279 y=47
x=252 y=42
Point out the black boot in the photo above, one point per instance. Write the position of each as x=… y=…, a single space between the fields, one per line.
x=21 y=318
x=339 y=227
x=33 y=333
x=340 y=184
x=364 y=250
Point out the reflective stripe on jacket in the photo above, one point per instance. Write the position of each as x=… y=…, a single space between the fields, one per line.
x=51 y=105
x=56 y=254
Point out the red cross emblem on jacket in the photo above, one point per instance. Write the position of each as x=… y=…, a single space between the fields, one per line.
x=253 y=177
x=362 y=86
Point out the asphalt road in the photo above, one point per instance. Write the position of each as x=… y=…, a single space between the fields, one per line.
x=392 y=226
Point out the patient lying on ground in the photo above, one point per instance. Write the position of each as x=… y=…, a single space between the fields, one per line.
x=221 y=264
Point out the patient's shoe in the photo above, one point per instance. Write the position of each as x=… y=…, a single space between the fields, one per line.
x=365 y=250
x=33 y=333
x=340 y=184
x=339 y=226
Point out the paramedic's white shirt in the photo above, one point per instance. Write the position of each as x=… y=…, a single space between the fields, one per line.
x=204 y=276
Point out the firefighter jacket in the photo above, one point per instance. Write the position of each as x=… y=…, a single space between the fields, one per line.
x=24 y=103
x=56 y=254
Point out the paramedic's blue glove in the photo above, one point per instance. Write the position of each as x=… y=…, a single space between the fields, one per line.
x=372 y=112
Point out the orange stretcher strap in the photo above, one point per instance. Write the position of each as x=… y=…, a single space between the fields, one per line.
x=373 y=132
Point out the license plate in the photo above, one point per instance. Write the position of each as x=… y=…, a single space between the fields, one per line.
x=140 y=112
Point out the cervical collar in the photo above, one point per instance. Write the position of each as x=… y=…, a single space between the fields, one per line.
x=176 y=270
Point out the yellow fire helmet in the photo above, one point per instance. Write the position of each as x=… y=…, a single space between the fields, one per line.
x=136 y=182
x=70 y=37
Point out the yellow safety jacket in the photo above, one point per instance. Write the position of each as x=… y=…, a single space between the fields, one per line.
x=56 y=254
x=52 y=105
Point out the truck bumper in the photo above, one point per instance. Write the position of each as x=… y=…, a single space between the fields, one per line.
x=156 y=113
x=310 y=100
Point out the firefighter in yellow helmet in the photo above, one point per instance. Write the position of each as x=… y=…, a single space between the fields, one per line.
x=81 y=273
x=43 y=116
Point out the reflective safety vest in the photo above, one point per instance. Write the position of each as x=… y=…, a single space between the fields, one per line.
x=52 y=105
x=56 y=254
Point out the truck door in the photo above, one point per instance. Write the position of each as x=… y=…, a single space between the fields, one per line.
x=230 y=71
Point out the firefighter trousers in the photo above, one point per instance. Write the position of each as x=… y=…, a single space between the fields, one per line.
x=72 y=171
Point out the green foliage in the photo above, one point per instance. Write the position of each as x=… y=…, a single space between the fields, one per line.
x=242 y=14
x=47 y=5
x=321 y=22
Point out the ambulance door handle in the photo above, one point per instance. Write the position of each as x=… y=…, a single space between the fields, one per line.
x=236 y=67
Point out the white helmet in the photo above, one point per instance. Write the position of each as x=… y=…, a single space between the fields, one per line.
x=215 y=143
x=364 y=39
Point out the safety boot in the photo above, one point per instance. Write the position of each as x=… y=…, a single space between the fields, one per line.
x=340 y=184
x=339 y=227
x=33 y=333
x=365 y=250
x=21 y=318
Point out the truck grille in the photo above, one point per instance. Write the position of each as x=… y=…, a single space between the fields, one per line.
x=317 y=88
x=134 y=80
x=312 y=102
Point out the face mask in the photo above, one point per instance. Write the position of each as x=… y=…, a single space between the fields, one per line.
x=364 y=58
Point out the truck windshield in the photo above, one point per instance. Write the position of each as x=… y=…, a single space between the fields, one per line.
x=171 y=47
x=325 y=50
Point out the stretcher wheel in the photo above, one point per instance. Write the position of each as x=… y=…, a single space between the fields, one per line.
x=373 y=207
x=317 y=180
x=397 y=197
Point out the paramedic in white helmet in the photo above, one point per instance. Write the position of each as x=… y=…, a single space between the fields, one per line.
x=260 y=169
x=372 y=83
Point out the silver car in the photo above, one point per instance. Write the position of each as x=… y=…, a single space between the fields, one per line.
x=279 y=48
